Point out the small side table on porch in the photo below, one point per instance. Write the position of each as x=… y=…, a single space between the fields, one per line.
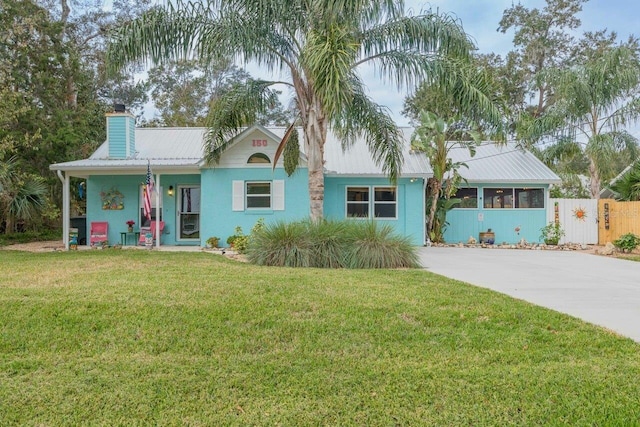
x=124 y=237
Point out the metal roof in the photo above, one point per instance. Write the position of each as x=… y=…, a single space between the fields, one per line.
x=181 y=150
x=502 y=163
x=356 y=160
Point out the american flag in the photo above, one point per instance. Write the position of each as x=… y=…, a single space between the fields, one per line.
x=148 y=191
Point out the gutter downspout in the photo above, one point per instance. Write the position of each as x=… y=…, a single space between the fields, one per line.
x=66 y=207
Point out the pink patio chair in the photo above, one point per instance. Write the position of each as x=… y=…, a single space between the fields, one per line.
x=150 y=229
x=98 y=232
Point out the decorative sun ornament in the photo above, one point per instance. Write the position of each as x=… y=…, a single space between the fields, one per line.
x=580 y=213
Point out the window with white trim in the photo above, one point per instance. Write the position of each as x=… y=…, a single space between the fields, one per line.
x=383 y=204
x=255 y=195
x=259 y=158
x=358 y=202
x=258 y=195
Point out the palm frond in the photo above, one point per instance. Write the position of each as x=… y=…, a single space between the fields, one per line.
x=166 y=33
x=363 y=118
x=429 y=33
x=235 y=109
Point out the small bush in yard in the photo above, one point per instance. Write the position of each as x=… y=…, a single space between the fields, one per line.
x=331 y=244
x=375 y=246
x=627 y=242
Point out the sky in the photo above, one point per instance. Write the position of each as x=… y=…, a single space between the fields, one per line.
x=480 y=20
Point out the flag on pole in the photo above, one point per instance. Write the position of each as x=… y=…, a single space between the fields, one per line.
x=149 y=185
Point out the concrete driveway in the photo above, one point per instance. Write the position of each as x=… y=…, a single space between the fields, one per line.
x=601 y=290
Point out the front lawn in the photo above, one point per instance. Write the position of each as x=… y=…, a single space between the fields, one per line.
x=122 y=337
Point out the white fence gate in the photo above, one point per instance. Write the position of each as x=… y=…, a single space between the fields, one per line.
x=578 y=218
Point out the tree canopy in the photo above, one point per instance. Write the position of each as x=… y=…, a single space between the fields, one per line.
x=319 y=47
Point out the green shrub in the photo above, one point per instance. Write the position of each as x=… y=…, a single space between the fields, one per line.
x=281 y=244
x=627 y=242
x=376 y=246
x=551 y=233
x=331 y=244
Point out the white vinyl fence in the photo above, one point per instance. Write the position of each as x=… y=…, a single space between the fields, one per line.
x=578 y=218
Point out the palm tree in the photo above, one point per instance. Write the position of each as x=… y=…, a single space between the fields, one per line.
x=319 y=47
x=435 y=137
x=595 y=101
x=627 y=186
x=22 y=196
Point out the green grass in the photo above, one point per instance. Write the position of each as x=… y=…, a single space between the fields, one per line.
x=122 y=337
x=629 y=257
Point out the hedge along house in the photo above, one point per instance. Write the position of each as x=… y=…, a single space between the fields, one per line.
x=506 y=190
x=196 y=201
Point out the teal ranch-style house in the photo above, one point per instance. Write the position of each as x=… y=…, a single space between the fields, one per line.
x=194 y=200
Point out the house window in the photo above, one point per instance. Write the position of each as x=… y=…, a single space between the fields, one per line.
x=509 y=198
x=253 y=195
x=468 y=198
x=358 y=202
x=384 y=202
x=361 y=205
x=498 y=198
x=529 y=198
x=259 y=158
x=258 y=195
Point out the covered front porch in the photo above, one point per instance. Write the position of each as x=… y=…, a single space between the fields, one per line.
x=115 y=202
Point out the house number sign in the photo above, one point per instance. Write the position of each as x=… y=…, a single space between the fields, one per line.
x=606 y=216
x=259 y=143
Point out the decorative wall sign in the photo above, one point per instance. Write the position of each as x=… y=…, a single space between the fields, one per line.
x=112 y=199
x=580 y=213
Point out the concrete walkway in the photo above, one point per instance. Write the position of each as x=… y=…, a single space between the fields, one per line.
x=601 y=290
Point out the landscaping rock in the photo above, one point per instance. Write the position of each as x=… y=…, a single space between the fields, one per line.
x=608 y=249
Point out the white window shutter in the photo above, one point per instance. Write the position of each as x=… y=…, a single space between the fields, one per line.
x=278 y=195
x=237 y=195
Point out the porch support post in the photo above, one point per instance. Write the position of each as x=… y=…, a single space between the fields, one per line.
x=66 y=207
x=424 y=211
x=158 y=209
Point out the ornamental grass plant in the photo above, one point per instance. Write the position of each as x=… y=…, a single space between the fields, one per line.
x=331 y=244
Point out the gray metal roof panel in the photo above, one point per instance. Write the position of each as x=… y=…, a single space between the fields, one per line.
x=183 y=147
x=502 y=163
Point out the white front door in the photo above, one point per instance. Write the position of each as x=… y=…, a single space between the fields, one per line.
x=188 y=212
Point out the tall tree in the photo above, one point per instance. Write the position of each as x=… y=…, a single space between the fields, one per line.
x=595 y=102
x=320 y=47
x=183 y=90
x=542 y=41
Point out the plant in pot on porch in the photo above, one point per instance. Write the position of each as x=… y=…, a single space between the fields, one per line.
x=213 y=241
x=130 y=224
x=239 y=240
x=551 y=233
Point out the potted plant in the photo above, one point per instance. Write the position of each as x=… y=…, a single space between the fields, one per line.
x=239 y=240
x=231 y=240
x=130 y=224
x=551 y=233
x=487 y=237
x=213 y=241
